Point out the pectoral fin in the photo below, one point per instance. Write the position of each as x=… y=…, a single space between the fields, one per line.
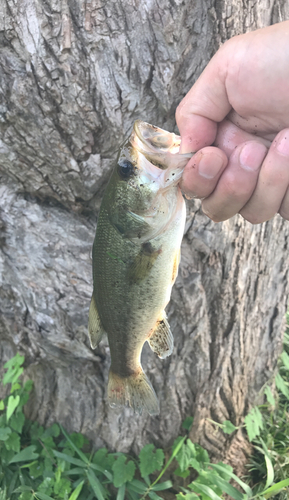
x=95 y=328
x=143 y=263
x=161 y=340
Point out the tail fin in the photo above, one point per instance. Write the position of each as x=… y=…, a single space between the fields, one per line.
x=136 y=390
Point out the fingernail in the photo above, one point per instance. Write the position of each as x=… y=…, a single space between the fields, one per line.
x=209 y=167
x=252 y=156
x=283 y=145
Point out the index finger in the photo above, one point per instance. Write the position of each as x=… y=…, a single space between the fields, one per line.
x=205 y=105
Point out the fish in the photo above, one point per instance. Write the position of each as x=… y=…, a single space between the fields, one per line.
x=136 y=255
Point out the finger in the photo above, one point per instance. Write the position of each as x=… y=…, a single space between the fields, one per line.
x=196 y=132
x=237 y=183
x=229 y=136
x=205 y=104
x=205 y=168
x=284 y=209
x=272 y=183
x=202 y=172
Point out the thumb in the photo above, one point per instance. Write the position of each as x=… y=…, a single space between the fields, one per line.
x=205 y=105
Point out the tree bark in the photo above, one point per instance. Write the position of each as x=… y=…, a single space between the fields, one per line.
x=74 y=76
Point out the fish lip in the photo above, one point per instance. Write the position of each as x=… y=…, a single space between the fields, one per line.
x=140 y=127
x=164 y=153
x=155 y=154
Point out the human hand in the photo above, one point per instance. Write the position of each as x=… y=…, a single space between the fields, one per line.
x=240 y=104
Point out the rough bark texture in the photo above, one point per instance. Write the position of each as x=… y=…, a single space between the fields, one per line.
x=74 y=75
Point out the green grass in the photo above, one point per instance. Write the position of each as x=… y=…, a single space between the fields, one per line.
x=273 y=438
x=45 y=464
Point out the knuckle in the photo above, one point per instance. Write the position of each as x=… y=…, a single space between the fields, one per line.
x=217 y=219
x=178 y=113
x=275 y=180
x=233 y=188
x=254 y=221
x=284 y=213
x=238 y=188
x=214 y=216
x=252 y=218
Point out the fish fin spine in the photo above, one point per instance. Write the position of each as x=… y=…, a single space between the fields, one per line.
x=134 y=390
x=161 y=341
x=95 y=328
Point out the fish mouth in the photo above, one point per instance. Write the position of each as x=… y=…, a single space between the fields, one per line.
x=157 y=139
x=159 y=147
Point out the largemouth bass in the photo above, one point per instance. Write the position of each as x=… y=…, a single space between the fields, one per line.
x=136 y=255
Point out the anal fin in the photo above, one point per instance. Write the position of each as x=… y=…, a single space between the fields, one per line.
x=161 y=340
x=95 y=328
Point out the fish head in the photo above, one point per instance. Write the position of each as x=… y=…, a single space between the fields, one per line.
x=162 y=150
x=148 y=162
x=148 y=166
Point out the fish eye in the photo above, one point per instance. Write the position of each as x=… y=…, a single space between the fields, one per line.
x=125 y=168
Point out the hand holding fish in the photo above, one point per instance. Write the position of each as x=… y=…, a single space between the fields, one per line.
x=236 y=117
x=241 y=105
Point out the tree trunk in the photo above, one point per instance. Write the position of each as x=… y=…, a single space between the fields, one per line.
x=74 y=76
